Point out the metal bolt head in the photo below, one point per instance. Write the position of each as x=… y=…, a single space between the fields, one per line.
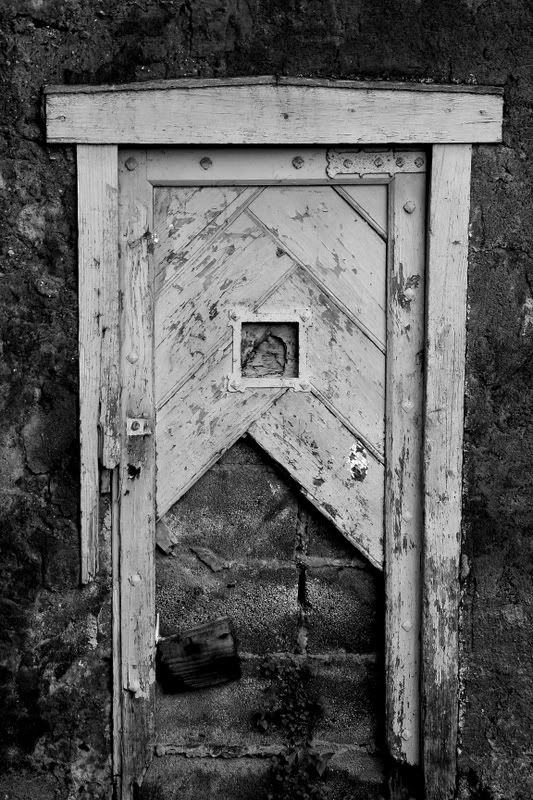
x=378 y=162
x=400 y=162
x=297 y=162
x=132 y=357
x=135 y=425
x=419 y=162
x=347 y=163
x=130 y=163
x=409 y=207
x=206 y=162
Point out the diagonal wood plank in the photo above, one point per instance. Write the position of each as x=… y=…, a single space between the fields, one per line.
x=343 y=364
x=373 y=198
x=314 y=447
x=191 y=319
x=337 y=302
x=188 y=219
x=321 y=230
x=361 y=211
x=199 y=423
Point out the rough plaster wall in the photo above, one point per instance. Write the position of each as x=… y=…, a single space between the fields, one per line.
x=48 y=655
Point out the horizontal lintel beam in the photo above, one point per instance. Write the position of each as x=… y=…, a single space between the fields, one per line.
x=273 y=113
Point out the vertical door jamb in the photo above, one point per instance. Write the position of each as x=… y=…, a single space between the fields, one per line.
x=443 y=453
x=136 y=484
x=98 y=335
x=403 y=477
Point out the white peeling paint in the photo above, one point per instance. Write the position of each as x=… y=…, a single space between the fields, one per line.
x=358 y=461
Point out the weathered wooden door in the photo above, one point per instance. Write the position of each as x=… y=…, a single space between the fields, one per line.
x=285 y=291
x=242 y=273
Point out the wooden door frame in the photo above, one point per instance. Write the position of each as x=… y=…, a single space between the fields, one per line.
x=270 y=111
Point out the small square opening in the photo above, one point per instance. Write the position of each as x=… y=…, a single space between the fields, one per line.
x=270 y=349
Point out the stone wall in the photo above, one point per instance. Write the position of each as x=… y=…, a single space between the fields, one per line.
x=54 y=643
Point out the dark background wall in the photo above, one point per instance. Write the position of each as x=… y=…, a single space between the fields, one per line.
x=54 y=639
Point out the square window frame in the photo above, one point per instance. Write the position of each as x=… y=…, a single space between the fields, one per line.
x=237 y=382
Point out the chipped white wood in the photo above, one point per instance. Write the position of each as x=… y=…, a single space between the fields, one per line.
x=192 y=308
x=199 y=423
x=219 y=165
x=362 y=210
x=443 y=441
x=243 y=264
x=404 y=425
x=374 y=200
x=116 y=622
x=272 y=113
x=344 y=366
x=316 y=450
x=98 y=334
x=195 y=167
x=320 y=231
x=137 y=473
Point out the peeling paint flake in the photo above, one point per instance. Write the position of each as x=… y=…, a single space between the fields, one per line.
x=358 y=462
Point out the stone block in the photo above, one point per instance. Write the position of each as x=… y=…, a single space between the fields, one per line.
x=181 y=778
x=352 y=699
x=324 y=540
x=221 y=715
x=355 y=775
x=261 y=601
x=345 y=610
x=238 y=511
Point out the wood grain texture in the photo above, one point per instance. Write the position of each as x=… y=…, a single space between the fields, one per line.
x=192 y=311
x=272 y=114
x=169 y=257
x=444 y=399
x=117 y=702
x=314 y=447
x=98 y=334
x=324 y=234
x=296 y=165
x=199 y=423
x=371 y=202
x=404 y=425
x=243 y=262
x=345 y=367
x=186 y=214
x=137 y=474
